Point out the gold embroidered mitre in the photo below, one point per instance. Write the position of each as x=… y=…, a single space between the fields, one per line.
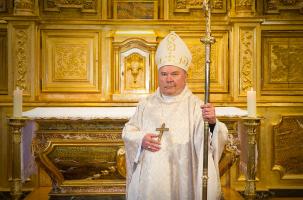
x=173 y=51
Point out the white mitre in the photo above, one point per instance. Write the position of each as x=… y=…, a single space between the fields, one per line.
x=173 y=51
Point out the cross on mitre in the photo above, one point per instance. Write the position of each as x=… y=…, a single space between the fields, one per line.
x=162 y=129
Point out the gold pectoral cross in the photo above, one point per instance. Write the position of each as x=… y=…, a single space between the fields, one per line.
x=162 y=129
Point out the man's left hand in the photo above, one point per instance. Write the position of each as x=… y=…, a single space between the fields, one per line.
x=209 y=113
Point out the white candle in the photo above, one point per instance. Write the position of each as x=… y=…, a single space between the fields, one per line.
x=17 y=104
x=251 y=103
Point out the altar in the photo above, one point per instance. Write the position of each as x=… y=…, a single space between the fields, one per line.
x=81 y=148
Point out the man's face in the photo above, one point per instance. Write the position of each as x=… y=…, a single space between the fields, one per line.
x=172 y=80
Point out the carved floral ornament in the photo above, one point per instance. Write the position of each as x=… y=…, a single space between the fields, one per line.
x=84 y=5
x=197 y=4
x=286 y=65
x=24 y=4
x=274 y=6
x=246 y=57
x=21 y=58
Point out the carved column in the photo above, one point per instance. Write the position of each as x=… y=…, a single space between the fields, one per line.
x=252 y=125
x=247 y=57
x=21 y=56
x=15 y=126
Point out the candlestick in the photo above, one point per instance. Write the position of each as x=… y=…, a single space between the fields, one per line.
x=251 y=103
x=17 y=102
x=15 y=127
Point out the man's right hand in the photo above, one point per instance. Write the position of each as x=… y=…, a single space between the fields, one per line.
x=150 y=142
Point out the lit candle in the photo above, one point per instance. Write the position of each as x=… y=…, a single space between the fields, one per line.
x=251 y=103
x=17 y=104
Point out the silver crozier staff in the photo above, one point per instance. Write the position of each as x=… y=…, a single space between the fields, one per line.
x=207 y=40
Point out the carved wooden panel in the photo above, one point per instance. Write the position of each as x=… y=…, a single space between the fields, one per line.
x=3 y=63
x=21 y=52
x=72 y=8
x=247 y=59
x=219 y=65
x=134 y=68
x=282 y=63
x=288 y=145
x=70 y=61
x=21 y=57
x=272 y=6
x=186 y=6
x=245 y=6
x=135 y=9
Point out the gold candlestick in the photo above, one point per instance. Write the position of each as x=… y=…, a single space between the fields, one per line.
x=252 y=124
x=15 y=126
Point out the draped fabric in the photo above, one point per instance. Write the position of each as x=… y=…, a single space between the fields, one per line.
x=175 y=171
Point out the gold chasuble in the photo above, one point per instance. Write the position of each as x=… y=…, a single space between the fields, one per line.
x=175 y=171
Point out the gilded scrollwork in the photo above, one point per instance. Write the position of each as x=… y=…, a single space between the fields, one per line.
x=71 y=62
x=196 y=71
x=21 y=57
x=246 y=58
x=86 y=6
x=121 y=162
x=24 y=7
x=39 y=145
x=274 y=6
x=81 y=125
x=180 y=4
x=289 y=2
x=271 y=5
x=230 y=154
x=24 y=4
x=135 y=10
x=286 y=65
x=195 y=2
x=282 y=62
x=218 y=6
x=244 y=4
x=119 y=189
x=106 y=136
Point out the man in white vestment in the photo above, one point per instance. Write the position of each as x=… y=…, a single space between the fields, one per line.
x=164 y=138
